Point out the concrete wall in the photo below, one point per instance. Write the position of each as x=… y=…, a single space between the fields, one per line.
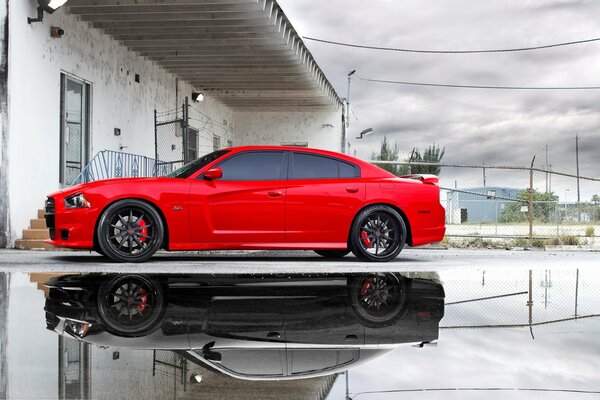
x=4 y=201
x=117 y=101
x=4 y=291
x=318 y=129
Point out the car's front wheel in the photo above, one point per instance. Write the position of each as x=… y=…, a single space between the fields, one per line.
x=131 y=305
x=378 y=234
x=130 y=231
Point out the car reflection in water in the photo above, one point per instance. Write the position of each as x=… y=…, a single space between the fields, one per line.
x=251 y=327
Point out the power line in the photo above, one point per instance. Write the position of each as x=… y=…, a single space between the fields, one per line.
x=508 y=50
x=477 y=389
x=447 y=85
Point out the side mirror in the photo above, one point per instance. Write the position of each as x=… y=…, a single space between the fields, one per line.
x=213 y=173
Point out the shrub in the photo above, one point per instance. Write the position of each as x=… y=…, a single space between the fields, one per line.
x=521 y=242
x=590 y=231
x=569 y=240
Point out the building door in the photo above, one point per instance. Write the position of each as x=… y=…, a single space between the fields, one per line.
x=74 y=132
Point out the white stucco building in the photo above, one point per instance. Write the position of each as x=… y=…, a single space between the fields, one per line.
x=90 y=76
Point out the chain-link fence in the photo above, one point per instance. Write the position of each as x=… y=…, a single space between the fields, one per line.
x=183 y=134
x=169 y=144
x=172 y=365
x=496 y=299
x=522 y=203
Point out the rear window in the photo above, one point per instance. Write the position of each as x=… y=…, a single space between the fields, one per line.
x=312 y=166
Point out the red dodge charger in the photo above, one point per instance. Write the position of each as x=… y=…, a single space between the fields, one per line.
x=266 y=197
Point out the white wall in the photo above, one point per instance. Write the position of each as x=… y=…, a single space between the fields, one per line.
x=4 y=200
x=36 y=62
x=320 y=129
x=32 y=350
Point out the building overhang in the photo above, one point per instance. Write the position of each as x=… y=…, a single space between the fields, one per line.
x=245 y=53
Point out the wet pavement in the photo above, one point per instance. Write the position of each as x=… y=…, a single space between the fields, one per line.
x=461 y=332
x=293 y=261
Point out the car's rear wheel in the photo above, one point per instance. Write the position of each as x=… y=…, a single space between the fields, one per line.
x=378 y=234
x=332 y=253
x=130 y=304
x=378 y=299
x=130 y=231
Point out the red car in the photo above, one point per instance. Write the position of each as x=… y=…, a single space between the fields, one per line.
x=266 y=197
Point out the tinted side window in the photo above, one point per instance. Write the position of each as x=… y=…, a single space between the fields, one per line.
x=348 y=170
x=308 y=166
x=253 y=166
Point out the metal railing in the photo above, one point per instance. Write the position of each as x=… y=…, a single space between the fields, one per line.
x=108 y=164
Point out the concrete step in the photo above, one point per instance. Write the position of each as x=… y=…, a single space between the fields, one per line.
x=27 y=244
x=41 y=213
x=37 y=224
x=36 y=234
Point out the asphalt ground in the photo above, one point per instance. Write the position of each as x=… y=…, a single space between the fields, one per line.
x=237 y=262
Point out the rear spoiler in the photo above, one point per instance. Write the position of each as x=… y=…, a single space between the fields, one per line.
x=425 y=178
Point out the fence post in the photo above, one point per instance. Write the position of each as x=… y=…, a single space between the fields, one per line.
x=530 y=208
x=155 y=144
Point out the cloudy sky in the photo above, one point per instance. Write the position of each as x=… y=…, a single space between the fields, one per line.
x=475 y=126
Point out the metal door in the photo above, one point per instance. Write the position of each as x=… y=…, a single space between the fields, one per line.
x=74 y=143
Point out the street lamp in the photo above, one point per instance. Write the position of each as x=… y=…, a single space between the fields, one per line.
x=46 y=5
x=366 y=132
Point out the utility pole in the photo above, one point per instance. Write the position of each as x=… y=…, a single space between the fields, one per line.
x=484 y=177
x=547 y=187
x=578 y=193
x=348 y=98
x=346 y=115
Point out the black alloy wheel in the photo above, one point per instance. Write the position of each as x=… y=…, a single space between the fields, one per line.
x=378 y=234
x=378 y=299
x=130 y=304
x=332 y=253
x=130 y=231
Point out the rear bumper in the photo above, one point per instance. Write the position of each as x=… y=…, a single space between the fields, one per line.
x=428 y=235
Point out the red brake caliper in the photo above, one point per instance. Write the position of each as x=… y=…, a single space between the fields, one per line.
x=365 y=287
x=144 y=231
x=143 y=300
x=364 y=236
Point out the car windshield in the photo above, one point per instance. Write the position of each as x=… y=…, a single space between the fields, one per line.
x=189 y=168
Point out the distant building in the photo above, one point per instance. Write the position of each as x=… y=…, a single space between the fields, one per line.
x=480 y=204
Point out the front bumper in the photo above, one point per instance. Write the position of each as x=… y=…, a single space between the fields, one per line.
x=71 y=228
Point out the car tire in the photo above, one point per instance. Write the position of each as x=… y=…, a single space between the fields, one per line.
x=332 y=253
x=130 y=231
x=378 y=234
x=378 y=299
x=130 y=318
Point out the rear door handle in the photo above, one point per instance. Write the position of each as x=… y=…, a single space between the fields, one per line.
x=275 y=194
x=352 y=189
x=274 y=335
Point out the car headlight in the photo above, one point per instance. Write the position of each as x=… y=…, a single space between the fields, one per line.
x=76 y=328
x=77 y=201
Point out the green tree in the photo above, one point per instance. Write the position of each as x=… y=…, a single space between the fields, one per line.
x=388 y=152
x=596 y=199
x=432 y=154
x=543 y=206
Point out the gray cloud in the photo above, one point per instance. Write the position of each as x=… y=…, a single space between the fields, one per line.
x=495 y=127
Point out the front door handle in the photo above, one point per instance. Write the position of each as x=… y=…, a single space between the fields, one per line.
x=274 y=335
x=352 y=189
x=275 y=194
